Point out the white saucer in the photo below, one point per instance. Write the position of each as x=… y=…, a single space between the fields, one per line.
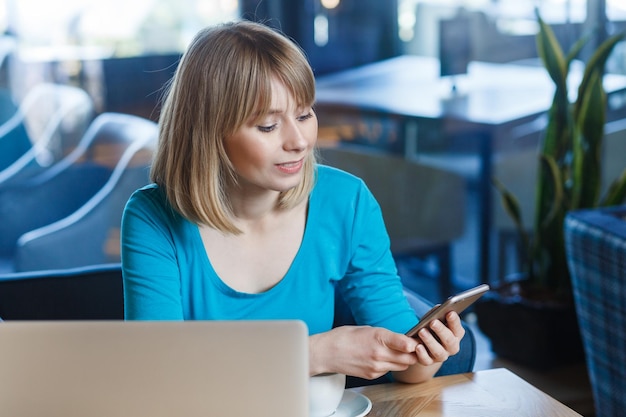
x=353 y=404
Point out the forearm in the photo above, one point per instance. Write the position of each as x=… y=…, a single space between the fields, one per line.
x=361 y=351
x=324 y=358
x=318 y=362
x=439 y=343
x=416 y=373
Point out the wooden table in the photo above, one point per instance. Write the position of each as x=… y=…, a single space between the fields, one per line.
x=494 y=392
x=491 y=104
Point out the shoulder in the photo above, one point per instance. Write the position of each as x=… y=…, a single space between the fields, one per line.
x=336 y=179
x=341 y=190
x=147 y=194
x=151 y=200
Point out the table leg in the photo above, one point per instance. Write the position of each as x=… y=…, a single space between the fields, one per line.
x=485 y=207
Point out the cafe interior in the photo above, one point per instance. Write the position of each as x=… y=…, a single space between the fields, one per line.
x=434 y=103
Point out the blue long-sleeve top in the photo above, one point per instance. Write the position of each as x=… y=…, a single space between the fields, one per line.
x=168 y=276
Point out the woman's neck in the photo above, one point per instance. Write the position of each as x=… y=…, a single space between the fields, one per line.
x=251 y=209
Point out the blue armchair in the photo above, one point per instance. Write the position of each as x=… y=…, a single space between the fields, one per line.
x=14 y=140
x=89 y=235
x=67 y=186
x=47 y=125
x=596 y=249
x=22 y=206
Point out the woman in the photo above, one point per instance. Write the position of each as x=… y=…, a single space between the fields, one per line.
x=241 y=222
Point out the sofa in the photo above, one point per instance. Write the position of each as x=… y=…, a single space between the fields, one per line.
x=596 y=250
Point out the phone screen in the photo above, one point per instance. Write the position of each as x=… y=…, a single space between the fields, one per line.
x=458 y=303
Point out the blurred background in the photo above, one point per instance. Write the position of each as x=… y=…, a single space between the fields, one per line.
x=97 y=44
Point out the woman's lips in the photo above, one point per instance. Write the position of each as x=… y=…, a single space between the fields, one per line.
x=291 y=167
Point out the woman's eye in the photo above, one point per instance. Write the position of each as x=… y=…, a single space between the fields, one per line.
x=305 y=117
x=266 y=129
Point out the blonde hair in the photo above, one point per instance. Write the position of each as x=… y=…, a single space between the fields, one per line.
x=224 y=79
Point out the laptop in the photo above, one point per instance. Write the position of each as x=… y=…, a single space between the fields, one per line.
x=154 y=369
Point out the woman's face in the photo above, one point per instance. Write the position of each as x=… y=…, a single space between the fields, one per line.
x=270 y=154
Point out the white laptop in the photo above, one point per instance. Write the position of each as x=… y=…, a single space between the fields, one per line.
x=154 y=369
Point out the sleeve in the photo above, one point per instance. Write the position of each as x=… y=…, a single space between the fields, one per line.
x=371 y=286
x=152 y=288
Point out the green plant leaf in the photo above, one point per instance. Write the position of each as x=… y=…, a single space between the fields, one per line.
x=616 y=194
x=596 y=63
x=577 y=47
x=557 y=135
x=569 y=172
x=591 y=115
x=509 y=202
x=587 y=144
x=552 y=55
x=551 y=168
x=512 y=207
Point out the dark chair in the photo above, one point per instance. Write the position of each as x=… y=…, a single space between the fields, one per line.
x=596 y=250
x=90 y=235
x=88 y=293
x=423 y=206
x=66 y=186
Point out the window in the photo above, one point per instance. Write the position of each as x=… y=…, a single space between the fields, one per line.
x=86 y=42
x=501 y=30
x=119 y=27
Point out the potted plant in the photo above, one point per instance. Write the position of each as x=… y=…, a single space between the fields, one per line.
x=569 y=177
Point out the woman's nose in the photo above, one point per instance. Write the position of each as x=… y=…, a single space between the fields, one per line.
x=295 y=139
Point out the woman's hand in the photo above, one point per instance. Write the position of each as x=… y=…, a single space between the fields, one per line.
x=434 y=347
x=370 y=352
x=362 y=351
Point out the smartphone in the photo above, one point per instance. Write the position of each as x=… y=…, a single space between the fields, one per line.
x=458 y=303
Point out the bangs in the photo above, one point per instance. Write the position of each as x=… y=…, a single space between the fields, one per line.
x=293 y=72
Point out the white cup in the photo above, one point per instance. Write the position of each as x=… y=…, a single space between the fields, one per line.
x=325 y=393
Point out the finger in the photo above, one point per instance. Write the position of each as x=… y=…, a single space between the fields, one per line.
x=423 y=356
x=388 y=356
x=400 y=363
x=437 y=352
x=395 y=350
x=446 y=338
x=396 y=362
x=395 y=357
x=453 y=321
x=399 y=342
